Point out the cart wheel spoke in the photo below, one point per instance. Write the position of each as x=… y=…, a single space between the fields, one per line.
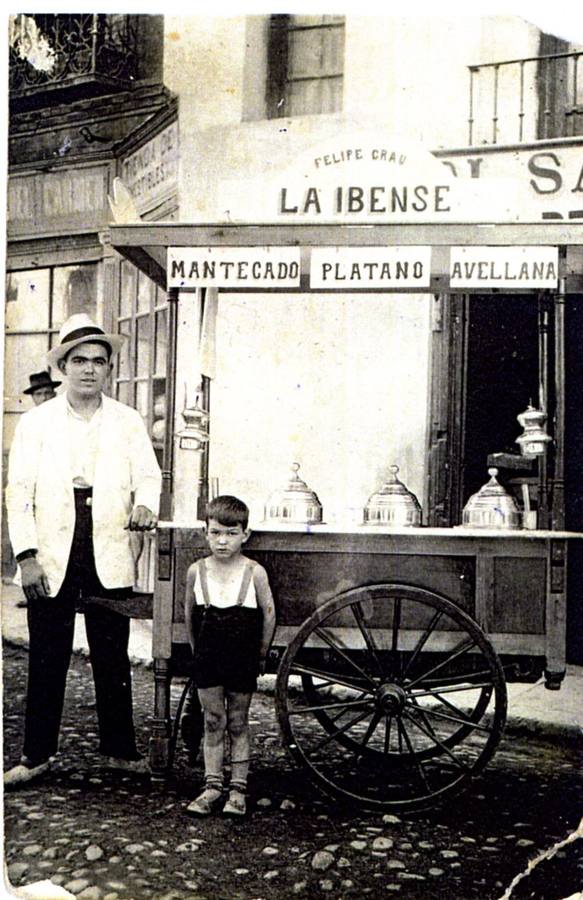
x=460 y=650
x=371 y=729
x=388 y=723
x=323 y=635
x=340 y=706
x=330 y=678
x=340 y=731
x=460 y=720
x=386 y=735
x=422 y=641
x=418 y=762
x=358 y=614
x=430 y=733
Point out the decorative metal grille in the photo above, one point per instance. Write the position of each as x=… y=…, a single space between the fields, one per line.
x=51 y=50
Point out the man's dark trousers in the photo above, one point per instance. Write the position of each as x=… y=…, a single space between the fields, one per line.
x=51 y=623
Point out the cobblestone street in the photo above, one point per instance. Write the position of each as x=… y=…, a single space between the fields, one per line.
x=107 y=836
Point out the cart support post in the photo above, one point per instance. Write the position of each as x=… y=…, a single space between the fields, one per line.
x=168 y=461
x=159 y=749
x=558 y=495
x=556 y=614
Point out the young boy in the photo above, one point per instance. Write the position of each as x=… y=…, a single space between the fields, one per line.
x=230 y=621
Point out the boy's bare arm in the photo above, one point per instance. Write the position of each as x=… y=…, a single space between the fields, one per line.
x=189 y=603
x=267 y=606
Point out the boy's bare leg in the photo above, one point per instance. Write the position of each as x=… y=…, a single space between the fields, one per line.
x=212 y=701
x=238 y=727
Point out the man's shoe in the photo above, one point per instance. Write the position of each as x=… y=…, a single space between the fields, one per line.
x=133 y=766
x=23 y=773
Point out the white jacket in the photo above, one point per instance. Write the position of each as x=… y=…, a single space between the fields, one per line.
x=40 y=500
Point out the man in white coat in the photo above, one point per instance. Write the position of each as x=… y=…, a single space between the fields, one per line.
x=82 y=476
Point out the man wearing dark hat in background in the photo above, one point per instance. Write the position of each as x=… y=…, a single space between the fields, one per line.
x=82 y=476
x=42 y=387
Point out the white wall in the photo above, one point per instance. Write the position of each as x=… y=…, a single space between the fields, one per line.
x=335 y=383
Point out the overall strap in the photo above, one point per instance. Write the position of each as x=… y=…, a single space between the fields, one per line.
x=247 y=576
x=204 y=582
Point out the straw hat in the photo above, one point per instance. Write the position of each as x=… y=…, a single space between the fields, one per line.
x=80 y=329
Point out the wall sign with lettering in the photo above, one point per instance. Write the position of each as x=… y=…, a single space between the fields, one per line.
x=370 y=267
x=504 y=267
x=236 y=267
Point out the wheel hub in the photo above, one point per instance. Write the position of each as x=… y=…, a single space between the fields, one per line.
x=391 y=698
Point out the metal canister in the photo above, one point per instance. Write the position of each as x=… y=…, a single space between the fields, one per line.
x=393 y=505
x=491 y=507
x=294 y=503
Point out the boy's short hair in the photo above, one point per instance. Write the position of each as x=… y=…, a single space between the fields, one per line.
x=227 y=510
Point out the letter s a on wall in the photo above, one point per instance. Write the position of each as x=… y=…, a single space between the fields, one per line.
x=540 y=171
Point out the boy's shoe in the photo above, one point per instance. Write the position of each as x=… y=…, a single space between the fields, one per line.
x=236 y=805
x=23 y=773
x=133 y=766
x=205 y=802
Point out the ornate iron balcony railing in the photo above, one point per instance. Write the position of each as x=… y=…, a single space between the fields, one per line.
x=51 y=51
x=519 y=100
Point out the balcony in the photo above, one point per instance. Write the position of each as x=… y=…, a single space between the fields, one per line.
x=75 y=54
x=522 y=100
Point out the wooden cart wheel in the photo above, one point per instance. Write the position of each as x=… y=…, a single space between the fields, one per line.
x=400 y=698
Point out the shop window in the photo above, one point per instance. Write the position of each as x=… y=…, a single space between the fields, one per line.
x=305 y=65
x=38 y=301
x=141 y=366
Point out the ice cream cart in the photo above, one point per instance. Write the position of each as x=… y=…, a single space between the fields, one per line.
x=397 y=630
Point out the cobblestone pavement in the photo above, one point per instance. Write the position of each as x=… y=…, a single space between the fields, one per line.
x=114 y=837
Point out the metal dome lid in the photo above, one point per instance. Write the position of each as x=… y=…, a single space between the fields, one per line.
x=393 y=504
x=492 y=506
x=294 y=503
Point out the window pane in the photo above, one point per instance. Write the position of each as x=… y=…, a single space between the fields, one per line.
x=24 y=354
x=129 y=278
x=123 y=392
x=159 y=423
x=142 y=394
x=315 y=51
x=143 y=346
x=304 y=54
x=74 y=291
x=161 y=339
x=316 y=20
x=145 y=293
x=305 y=97
x=332 y=51
x=124 y=359
x=27 y=300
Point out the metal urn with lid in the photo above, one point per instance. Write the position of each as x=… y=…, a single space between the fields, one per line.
x=294 y=503
x=491 y=507
x=393 y=505
x=534 y=439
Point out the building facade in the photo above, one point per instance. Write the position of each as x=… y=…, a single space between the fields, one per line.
x=192 y=119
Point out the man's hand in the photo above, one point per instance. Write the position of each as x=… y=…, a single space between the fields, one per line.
x=142 y=519
x=34 y=581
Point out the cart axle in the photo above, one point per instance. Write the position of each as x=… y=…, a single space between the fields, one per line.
x=391 y=698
